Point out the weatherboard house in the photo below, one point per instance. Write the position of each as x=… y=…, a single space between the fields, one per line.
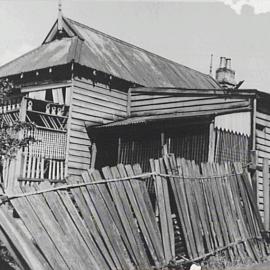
x=97 y=100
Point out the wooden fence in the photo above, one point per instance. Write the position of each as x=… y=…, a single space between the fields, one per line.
x=35 y=167
x=215 y=205
x=231 y=146
x=9 y=109
x=38 y=167
x=108 y=222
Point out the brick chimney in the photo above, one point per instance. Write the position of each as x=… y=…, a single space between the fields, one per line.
x=224 y=74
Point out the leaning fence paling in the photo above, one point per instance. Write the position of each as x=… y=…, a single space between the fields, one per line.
x=106 y=220
x=215 y=207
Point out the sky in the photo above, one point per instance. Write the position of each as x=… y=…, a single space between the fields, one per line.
x=187 y=32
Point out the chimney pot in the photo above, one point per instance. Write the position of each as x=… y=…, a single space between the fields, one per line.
x=228 y=63
x=224 y=74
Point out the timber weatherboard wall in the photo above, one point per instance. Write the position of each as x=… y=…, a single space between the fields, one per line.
x=91 y=105
x=263 y=152
x=156 y=104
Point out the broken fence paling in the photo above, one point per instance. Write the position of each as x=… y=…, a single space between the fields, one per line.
x=97 y=224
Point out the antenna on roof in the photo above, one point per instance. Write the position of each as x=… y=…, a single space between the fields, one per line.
x=60 y=17
x=211 y=65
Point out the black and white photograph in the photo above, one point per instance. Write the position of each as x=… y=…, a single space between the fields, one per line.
x=134 y=135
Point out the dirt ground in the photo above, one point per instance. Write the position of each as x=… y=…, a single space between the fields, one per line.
x=263 y=266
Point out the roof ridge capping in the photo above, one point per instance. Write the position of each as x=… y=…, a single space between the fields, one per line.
x=134 y=46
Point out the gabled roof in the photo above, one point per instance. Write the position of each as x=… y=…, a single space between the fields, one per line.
x=109 y=55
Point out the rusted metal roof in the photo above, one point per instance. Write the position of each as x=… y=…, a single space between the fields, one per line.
x=110 y=55
x=58 y=52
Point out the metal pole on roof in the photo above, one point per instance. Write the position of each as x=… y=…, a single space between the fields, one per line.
x=211 y=65
x=60 y=15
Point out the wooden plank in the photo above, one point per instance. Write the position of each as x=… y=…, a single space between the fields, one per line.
x=192 y=207
x=38 y=233
x=147 y=225
x=96 y=258
x=250 y=194
x=263 y=116
x=266 y=193
x=152 y=237
x=215 y=107
x=22 y=115
x=168 y=208
x=94 y=119
x=80 y=194
x=225 y=202
x=74 y=172
x=103 y=192
x=212 y=140
x=228 y=211
x=94 y=115
x=243 y=188
x=190 y=92
x=68 y=91
x=61 y=240
x=141 y=100
x=215 y=230
x=86 y=85
x=99 y=106
x=26 y=89
x=122 y=205
x=200 y=204
x=180 y=198
x=80 y=159
x=80 y=122
x=264 y=141
x=97 y=112
x=264 y=149
x=129 y=96
x=33 y=167
x=179 y=103
x=109 y=228
x=81 y=143
x=236 y=200
x=12 y=237
x=221 y=207
x=56 y=203
x=262 y=122
x=197 y=208
x=80 y=128
x=79 y=153
x=131 y=208
x=162 y=199
x=79 y=134
x=237 y=228
x=253 y=219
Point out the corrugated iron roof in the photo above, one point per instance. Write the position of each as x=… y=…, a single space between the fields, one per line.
x=51 y=54
x=124 y=60
x=140 y=120
x=112 y=56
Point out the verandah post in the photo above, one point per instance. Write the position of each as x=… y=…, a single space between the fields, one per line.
x=266 y=193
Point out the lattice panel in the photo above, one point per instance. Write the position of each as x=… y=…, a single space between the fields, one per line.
x=50 y=144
